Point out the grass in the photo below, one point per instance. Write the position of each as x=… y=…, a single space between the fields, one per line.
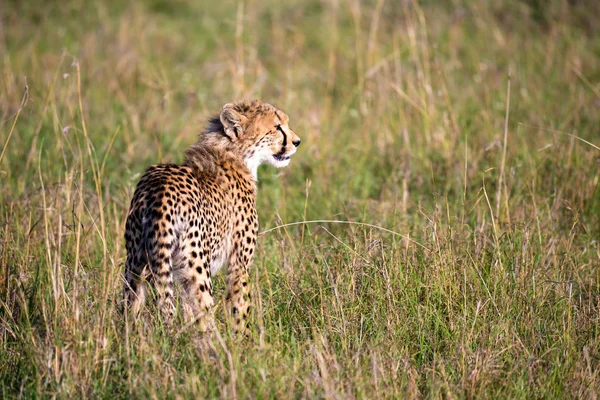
x=457 y=139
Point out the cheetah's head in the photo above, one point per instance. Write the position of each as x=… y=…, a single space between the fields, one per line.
x=259 y=133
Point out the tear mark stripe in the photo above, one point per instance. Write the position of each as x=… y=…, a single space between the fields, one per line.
x=280 y=129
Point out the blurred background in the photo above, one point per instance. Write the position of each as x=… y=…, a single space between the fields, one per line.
x=457 y=141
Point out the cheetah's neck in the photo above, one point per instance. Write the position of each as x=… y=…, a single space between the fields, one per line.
x=254 y=161
x=253 y=167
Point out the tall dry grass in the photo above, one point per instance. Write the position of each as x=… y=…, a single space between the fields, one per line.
x=455 y=143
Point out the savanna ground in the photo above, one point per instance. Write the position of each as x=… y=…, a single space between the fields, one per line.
x=468 y=130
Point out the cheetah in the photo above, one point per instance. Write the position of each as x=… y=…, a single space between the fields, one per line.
x=187 y=221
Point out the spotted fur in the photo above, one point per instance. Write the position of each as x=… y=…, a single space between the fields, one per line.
x=187 y=221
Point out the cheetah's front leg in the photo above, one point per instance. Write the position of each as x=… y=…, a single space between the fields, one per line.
x=238 y=290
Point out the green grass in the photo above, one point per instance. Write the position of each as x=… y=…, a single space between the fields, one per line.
x=467 y=128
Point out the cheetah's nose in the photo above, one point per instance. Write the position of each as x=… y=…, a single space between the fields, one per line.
x=296 y=142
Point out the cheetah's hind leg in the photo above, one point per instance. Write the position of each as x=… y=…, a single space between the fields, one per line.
x=135 y=286
x=194 y=274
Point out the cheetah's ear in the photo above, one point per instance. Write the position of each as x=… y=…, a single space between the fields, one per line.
x=232 y=121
